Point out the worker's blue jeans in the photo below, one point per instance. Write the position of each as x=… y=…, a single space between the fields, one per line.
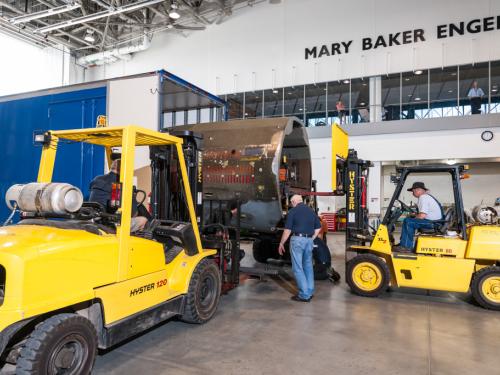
x=301 y=249
x=410 y=225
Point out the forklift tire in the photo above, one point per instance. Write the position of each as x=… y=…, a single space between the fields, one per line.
x=203 y=294
x=64 y=343
x=367 y=275
x=485 y=287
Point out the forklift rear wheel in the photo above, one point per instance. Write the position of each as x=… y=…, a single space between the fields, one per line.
x=367 y=275
x=486 y=287
x=203 y=293
x=62 y=344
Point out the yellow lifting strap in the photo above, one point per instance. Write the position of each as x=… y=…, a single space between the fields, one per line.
x=340 y=149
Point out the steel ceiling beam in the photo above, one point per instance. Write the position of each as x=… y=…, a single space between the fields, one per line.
x=44 y=13
x=98 y=15
x=26 y=27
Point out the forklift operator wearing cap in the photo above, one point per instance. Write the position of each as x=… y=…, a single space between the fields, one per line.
x=429 y=209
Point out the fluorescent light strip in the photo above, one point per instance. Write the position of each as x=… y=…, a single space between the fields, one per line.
x=44 y=13
x=95 y=16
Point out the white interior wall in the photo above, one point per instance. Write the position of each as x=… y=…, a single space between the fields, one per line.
x=453 y=144
x=248 y=49
x=24 y=67
x=483 y=186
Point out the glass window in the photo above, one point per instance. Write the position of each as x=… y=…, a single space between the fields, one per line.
x=205 y=115
x=391 y=96
x=253 y=104
x=495 y=87
x=471 y=102
x=180 y=118
x=294 y=101
x=360 y=100
x=235 y=106
x=192 y=116
x=273 y=103
x=316 y=105
x=168 y=119
x=338 y=97
x=443 y=92
x=414 y=94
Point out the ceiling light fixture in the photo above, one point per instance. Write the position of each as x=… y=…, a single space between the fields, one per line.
x=451 y=161
x=418 y=98
x=89 y=37
x=44 y=13
x=450 y=91
x=346 y=81
x=275 y=91
x=418 y=72
x=172 y=13
x=362 y=103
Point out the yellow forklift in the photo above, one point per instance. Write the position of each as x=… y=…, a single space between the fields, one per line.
x=453 y=256
x=74 y=279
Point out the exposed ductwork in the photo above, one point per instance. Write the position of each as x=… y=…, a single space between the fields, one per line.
x=97 y=32
x=111 y=56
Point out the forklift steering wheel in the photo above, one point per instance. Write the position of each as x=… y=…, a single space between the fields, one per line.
x=405 y=207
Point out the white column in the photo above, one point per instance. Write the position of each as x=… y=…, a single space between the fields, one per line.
x=374 y=193
x=375 y=99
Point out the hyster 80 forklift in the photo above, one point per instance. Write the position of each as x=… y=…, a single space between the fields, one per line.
x=453 y=256
x=74 y=279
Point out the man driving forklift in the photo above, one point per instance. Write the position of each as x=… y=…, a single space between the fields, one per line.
x=429 y=210
x=100 y=192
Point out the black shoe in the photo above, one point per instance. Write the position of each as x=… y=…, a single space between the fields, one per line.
x=401 y=249
x=298 y=299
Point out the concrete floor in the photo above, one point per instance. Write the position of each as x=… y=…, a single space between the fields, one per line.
x=258 y=330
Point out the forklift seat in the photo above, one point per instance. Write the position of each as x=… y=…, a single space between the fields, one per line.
x=440 y=226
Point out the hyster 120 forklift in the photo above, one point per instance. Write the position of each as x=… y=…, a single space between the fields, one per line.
x=74 y=279
x=452 y=256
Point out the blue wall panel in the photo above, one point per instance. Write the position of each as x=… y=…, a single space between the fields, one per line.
x=75 y=163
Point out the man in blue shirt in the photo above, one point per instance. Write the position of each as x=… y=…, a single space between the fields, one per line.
x=304 y=226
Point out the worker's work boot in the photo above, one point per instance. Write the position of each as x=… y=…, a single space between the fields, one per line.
x=401 y=249
x=298 y=299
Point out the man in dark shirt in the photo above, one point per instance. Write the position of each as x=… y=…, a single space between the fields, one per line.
x=304 y=226
x=100 y=192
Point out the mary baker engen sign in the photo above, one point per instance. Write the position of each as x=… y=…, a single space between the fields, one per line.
x=443 y=31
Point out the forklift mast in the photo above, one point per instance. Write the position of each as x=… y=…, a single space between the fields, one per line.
x=168 y=203
x=167 y=194
x=350 y=178
x=354 y=176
